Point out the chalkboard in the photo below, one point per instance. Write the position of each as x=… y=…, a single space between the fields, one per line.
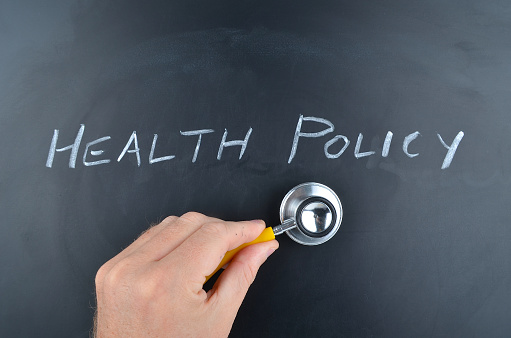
x=115 y=114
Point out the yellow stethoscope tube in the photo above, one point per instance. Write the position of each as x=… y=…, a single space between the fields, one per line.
x=265 y=236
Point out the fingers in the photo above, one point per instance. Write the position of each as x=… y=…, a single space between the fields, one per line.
x=173 y=235
x=232 y=285
x=205 y=248
x=158 y=240
x=145 y=237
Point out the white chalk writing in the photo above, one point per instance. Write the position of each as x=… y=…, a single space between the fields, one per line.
x=133 y=139
x=325 y=127
x=451 y=150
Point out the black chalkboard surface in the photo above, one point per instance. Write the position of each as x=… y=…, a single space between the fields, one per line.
x=401 y=107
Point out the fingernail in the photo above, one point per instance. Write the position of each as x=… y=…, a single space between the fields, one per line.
x=258 y=221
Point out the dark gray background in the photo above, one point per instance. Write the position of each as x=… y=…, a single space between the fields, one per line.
x=421 y=251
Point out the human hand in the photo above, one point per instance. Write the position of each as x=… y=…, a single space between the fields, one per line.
x=153 y=288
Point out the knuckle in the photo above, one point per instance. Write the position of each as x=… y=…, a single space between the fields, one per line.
x=117 y=274
x=167 y=235
x=193 y=217
x=247 y=277
x=100 y=275
x=147 y=233
x=148 y=288
x=217 y=229
x=169 y=220
x=155 y=228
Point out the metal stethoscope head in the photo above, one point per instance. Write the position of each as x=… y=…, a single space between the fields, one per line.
x=310 y=213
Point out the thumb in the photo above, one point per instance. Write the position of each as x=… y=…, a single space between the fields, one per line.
x=232 y=285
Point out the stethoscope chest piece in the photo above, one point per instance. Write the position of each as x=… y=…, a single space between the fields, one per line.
x=316 y=210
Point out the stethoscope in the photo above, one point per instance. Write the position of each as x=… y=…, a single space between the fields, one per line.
x=310 y=214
